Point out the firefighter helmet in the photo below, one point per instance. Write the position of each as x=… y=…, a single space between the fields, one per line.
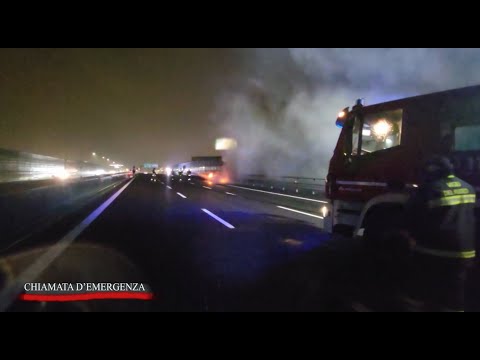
x=438 y=167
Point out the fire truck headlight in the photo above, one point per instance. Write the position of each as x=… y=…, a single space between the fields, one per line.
x=324 y=211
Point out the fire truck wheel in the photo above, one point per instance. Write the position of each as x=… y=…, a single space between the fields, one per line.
x=384 y=241
x=343 y=230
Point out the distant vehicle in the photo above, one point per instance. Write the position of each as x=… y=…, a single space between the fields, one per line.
x=381 y=149
x=211 y=168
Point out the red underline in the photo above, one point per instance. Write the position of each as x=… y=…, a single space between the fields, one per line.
x=88 y=296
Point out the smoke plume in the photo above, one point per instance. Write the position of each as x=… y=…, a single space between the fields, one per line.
x=283 y=114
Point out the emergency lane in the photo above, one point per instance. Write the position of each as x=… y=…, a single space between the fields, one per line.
x=273 y=249
x=260 y=202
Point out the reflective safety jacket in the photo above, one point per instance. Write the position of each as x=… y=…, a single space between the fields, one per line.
x=441 y=218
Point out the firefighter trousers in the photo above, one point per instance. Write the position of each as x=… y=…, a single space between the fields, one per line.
x=439 y=283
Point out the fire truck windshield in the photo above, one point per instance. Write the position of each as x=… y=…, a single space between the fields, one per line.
x=379 y=131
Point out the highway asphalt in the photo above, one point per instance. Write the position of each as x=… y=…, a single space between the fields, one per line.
x=200 y=247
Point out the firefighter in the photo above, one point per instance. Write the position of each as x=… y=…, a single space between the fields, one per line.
x=441 y=223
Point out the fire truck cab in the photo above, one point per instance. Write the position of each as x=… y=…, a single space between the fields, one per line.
x=381 y=150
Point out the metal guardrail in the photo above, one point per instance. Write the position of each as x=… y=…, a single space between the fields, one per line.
x=296 y=185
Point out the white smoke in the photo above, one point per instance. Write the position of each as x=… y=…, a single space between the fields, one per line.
x=283 y=116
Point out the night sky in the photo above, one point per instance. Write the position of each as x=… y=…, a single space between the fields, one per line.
x=165 y=105
x=132 y=105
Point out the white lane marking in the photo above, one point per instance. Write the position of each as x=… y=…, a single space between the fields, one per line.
x=181 y=195
x=169 y=187
x=228 y=193
x=290 y=196
x=219 y=219
x=8 y=295
x=301 y=212
x=206 y=187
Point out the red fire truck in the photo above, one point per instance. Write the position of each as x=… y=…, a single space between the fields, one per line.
x=381 y=149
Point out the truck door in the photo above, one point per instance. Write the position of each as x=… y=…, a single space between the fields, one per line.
x=378 y=161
